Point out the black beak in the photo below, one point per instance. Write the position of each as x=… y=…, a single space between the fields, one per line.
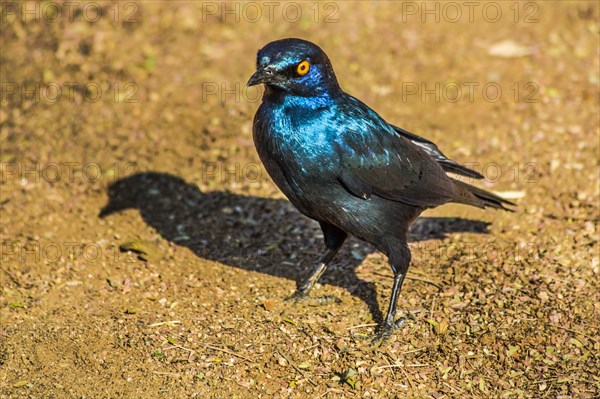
x=263 y=75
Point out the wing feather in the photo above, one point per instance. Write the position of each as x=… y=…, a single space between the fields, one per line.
x=377 y=161
x=432 y=149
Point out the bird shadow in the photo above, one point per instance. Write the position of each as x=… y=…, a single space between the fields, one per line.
x=254 y=233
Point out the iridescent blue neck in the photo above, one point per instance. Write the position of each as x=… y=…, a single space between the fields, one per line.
x=320 y=99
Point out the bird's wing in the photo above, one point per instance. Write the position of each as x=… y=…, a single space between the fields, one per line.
x=375 y=160
x=432 y=149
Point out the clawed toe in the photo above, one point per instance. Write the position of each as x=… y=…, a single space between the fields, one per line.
x=381 y=336
x=300 y=297
x=296 y=297
x=385 y=331
x=403 y=320
x=322 y=300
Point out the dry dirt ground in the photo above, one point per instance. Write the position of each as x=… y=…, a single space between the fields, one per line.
x=141 y=112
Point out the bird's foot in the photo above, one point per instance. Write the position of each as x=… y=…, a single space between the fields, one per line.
x=386 y=329
x=299 y=295
x=303 y=298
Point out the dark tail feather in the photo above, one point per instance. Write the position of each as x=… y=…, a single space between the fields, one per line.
x=453 y=167
x=471 y=195
x=432 y=149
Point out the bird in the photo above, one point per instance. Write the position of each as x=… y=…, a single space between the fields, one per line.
x=341 y=164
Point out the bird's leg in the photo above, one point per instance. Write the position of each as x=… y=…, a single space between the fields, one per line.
x=334 y=239
x=390 y=320
x=399 y=265
x=305 y=288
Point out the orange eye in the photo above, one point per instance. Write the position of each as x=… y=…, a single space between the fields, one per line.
x=302 y=68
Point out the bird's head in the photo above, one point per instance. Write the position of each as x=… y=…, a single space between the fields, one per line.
x=295 y=66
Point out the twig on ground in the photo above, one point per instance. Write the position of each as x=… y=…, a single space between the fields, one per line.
x=298 y=369
x=216 y=348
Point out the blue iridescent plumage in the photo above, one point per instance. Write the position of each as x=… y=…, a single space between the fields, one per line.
x=343 y=165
